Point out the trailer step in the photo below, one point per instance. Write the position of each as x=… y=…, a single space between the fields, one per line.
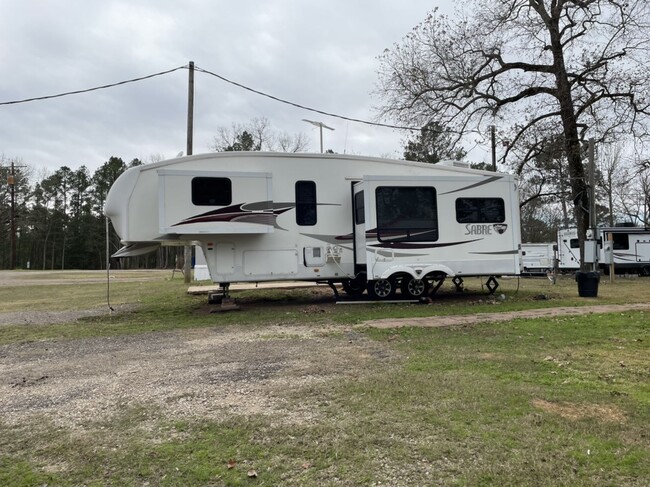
x=381 y=301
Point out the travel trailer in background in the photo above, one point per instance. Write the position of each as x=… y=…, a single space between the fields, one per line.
x=628 y=248
x=538 y=258
x=370 y=224
x=568 y=249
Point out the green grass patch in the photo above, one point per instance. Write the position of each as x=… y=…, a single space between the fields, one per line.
x=548 y=402
x=160 y=303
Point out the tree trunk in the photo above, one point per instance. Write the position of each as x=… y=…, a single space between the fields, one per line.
x=579 y=192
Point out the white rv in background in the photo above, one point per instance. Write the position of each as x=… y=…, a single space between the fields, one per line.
x=568 y=249
x=628 y=248
x=368 y=223
x=538 y=258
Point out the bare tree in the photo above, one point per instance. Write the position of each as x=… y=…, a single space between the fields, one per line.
x=257 y=135
x=291 y=143
x=532 y=64
x=614 y=178
x=635 y=196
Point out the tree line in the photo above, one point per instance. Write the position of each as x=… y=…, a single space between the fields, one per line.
x=59 y=218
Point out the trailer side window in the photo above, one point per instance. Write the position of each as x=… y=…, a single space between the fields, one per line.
x=406 y=214
x=359 y=208
x=574 y=243
x=480 y=210
x=211 y=191
x=305 y=203
x=621 y=241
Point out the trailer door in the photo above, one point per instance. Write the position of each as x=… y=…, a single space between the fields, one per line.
x=642 y=248
x=359 y=223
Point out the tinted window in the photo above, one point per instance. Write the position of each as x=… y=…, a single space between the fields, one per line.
x=480 y=210
x=306 y=203
x=406 y=214
x=621 y=241
x=359 y=208
x=574 y=243
x=211 y=191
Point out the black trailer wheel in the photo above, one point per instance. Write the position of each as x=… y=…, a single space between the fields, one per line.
x=413 y=288
x=381 y=289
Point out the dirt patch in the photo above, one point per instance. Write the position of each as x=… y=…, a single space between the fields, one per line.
x=575 y=412
x=51 y=317
x=205 y=373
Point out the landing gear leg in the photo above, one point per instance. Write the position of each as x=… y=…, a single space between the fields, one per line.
x=458 y=282
x=436 y=282
x=492 y=284
x=223 y=297
x=333 y=288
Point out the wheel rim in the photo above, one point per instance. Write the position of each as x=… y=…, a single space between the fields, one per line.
x=383 y=288
x=415 y=287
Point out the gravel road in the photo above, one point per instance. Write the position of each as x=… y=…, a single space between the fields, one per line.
x=186 y=374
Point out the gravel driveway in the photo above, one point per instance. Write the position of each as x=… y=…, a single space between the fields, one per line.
x=196 y=373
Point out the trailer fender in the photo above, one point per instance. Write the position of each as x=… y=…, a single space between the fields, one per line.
x=417 y=272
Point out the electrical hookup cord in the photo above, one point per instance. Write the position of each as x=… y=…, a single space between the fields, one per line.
x=108 y=271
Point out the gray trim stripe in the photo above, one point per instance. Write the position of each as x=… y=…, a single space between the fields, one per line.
x=480 y=183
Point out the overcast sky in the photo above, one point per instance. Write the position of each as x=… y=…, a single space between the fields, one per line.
x=321 y=54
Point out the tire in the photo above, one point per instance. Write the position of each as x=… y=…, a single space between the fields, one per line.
x=381 y=289
x=413 y=288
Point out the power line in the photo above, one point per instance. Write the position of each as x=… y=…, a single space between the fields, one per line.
x=103 y=87
x=222 y=78
x=303 y=107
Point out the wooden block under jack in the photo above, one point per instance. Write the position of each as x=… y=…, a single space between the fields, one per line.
x=227 y=304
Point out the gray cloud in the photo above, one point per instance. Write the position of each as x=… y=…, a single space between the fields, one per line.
x=319 y=54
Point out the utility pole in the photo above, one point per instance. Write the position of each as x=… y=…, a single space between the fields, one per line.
x=592 y=200
x=190 y=110
x=187 y=254
x=11 y=179
x=494 y=147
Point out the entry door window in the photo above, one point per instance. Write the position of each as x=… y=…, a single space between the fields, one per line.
x=406 y=214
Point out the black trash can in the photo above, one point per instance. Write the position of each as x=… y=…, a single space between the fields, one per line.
x=588 y=284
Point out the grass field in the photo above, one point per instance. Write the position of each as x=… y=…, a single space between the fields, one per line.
x=549 y=402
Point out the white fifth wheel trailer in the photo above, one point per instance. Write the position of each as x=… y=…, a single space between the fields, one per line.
x=628 y=248
x=368 y=223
